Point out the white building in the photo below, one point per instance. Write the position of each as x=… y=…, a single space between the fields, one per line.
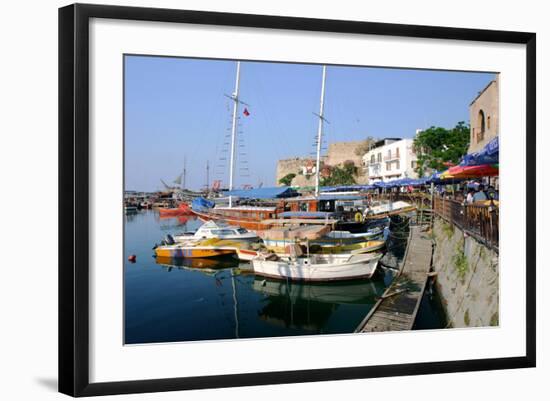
x=390 y=159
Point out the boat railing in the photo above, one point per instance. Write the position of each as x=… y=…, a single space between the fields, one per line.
x=478 y=221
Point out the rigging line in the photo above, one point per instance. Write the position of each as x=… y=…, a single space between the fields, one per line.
x=206 y=129
x=267 y=120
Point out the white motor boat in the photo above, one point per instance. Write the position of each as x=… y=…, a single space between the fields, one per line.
x=318 y=267
x=388 y=208
x=371 y=233
x=219 y=230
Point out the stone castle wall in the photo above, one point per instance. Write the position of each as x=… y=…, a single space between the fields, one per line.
x=337 y=154
x=295 y=165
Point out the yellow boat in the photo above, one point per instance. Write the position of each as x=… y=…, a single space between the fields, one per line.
x=209 y=248
x=179 y=251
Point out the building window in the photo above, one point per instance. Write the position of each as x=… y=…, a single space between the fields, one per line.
x=488 y=122
x=397 y=153
x=388 y=166
x=372 y=158
x=480 y=126
x=379 y=157
x=397 y=165
x=413 y=164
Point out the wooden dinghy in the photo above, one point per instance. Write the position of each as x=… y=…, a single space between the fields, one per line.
x=356 y=248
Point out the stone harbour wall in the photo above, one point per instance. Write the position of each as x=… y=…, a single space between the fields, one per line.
x=337 y=154
x=467 y=277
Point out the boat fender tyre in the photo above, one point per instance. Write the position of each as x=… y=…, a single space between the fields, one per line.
x=170 y=239
x=358 y=217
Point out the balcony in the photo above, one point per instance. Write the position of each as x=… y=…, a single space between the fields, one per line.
x=392 y=157
x=374 y=163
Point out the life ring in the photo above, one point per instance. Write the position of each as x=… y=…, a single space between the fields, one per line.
x=359 y=217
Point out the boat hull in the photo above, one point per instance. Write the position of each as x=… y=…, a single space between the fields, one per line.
x=181 y=210
x=361 y=247
x=358 y=267
x=249 y=224
x=197 y=263
x=250 y=237
x=190 y=253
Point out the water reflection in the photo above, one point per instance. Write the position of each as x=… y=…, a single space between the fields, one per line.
x=208 y=299
x=310 y=306
x=207 y=265
x=177 y=223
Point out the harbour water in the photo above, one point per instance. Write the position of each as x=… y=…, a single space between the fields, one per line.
x=173 y=301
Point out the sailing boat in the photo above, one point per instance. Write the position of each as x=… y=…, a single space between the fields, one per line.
x=183 y=208
x=255 y=217
x=250 y=217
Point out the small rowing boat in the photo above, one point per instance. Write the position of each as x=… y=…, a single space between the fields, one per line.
x=360 y=247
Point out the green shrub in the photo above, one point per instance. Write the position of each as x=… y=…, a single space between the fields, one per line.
x=448 y=229
x=460 y=262
x=467 y=317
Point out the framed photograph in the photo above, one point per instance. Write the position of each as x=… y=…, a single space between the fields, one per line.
x=252 y=199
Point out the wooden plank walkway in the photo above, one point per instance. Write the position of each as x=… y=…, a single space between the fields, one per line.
x=397 y=307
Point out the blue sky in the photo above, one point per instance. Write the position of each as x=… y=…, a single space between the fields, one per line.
x=175 y=109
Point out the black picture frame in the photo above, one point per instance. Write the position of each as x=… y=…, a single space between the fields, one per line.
x=74 y=198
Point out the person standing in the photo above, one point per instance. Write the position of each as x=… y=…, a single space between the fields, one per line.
x=480 y=194
x=470 y=197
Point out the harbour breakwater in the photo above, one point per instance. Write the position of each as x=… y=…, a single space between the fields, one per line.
x=467 y=278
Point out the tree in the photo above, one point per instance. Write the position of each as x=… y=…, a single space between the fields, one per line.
x=436 y=146
x=287 y=179
x=341 y=175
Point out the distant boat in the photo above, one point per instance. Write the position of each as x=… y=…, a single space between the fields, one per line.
x=146 y=205
x=130 y=209
x=220 y=230
x=182 y=210
x=316 y=267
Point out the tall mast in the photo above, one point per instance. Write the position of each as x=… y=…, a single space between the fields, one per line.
x=320 y=131
x=184 y=173
x=207 y=176
x=235 y=98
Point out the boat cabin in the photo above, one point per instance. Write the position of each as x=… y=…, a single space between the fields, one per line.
x=324 y=203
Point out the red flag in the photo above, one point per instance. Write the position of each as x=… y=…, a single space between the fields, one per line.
x=246 y=112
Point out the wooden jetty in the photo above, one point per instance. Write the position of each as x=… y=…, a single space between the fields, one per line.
x=397 y=307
